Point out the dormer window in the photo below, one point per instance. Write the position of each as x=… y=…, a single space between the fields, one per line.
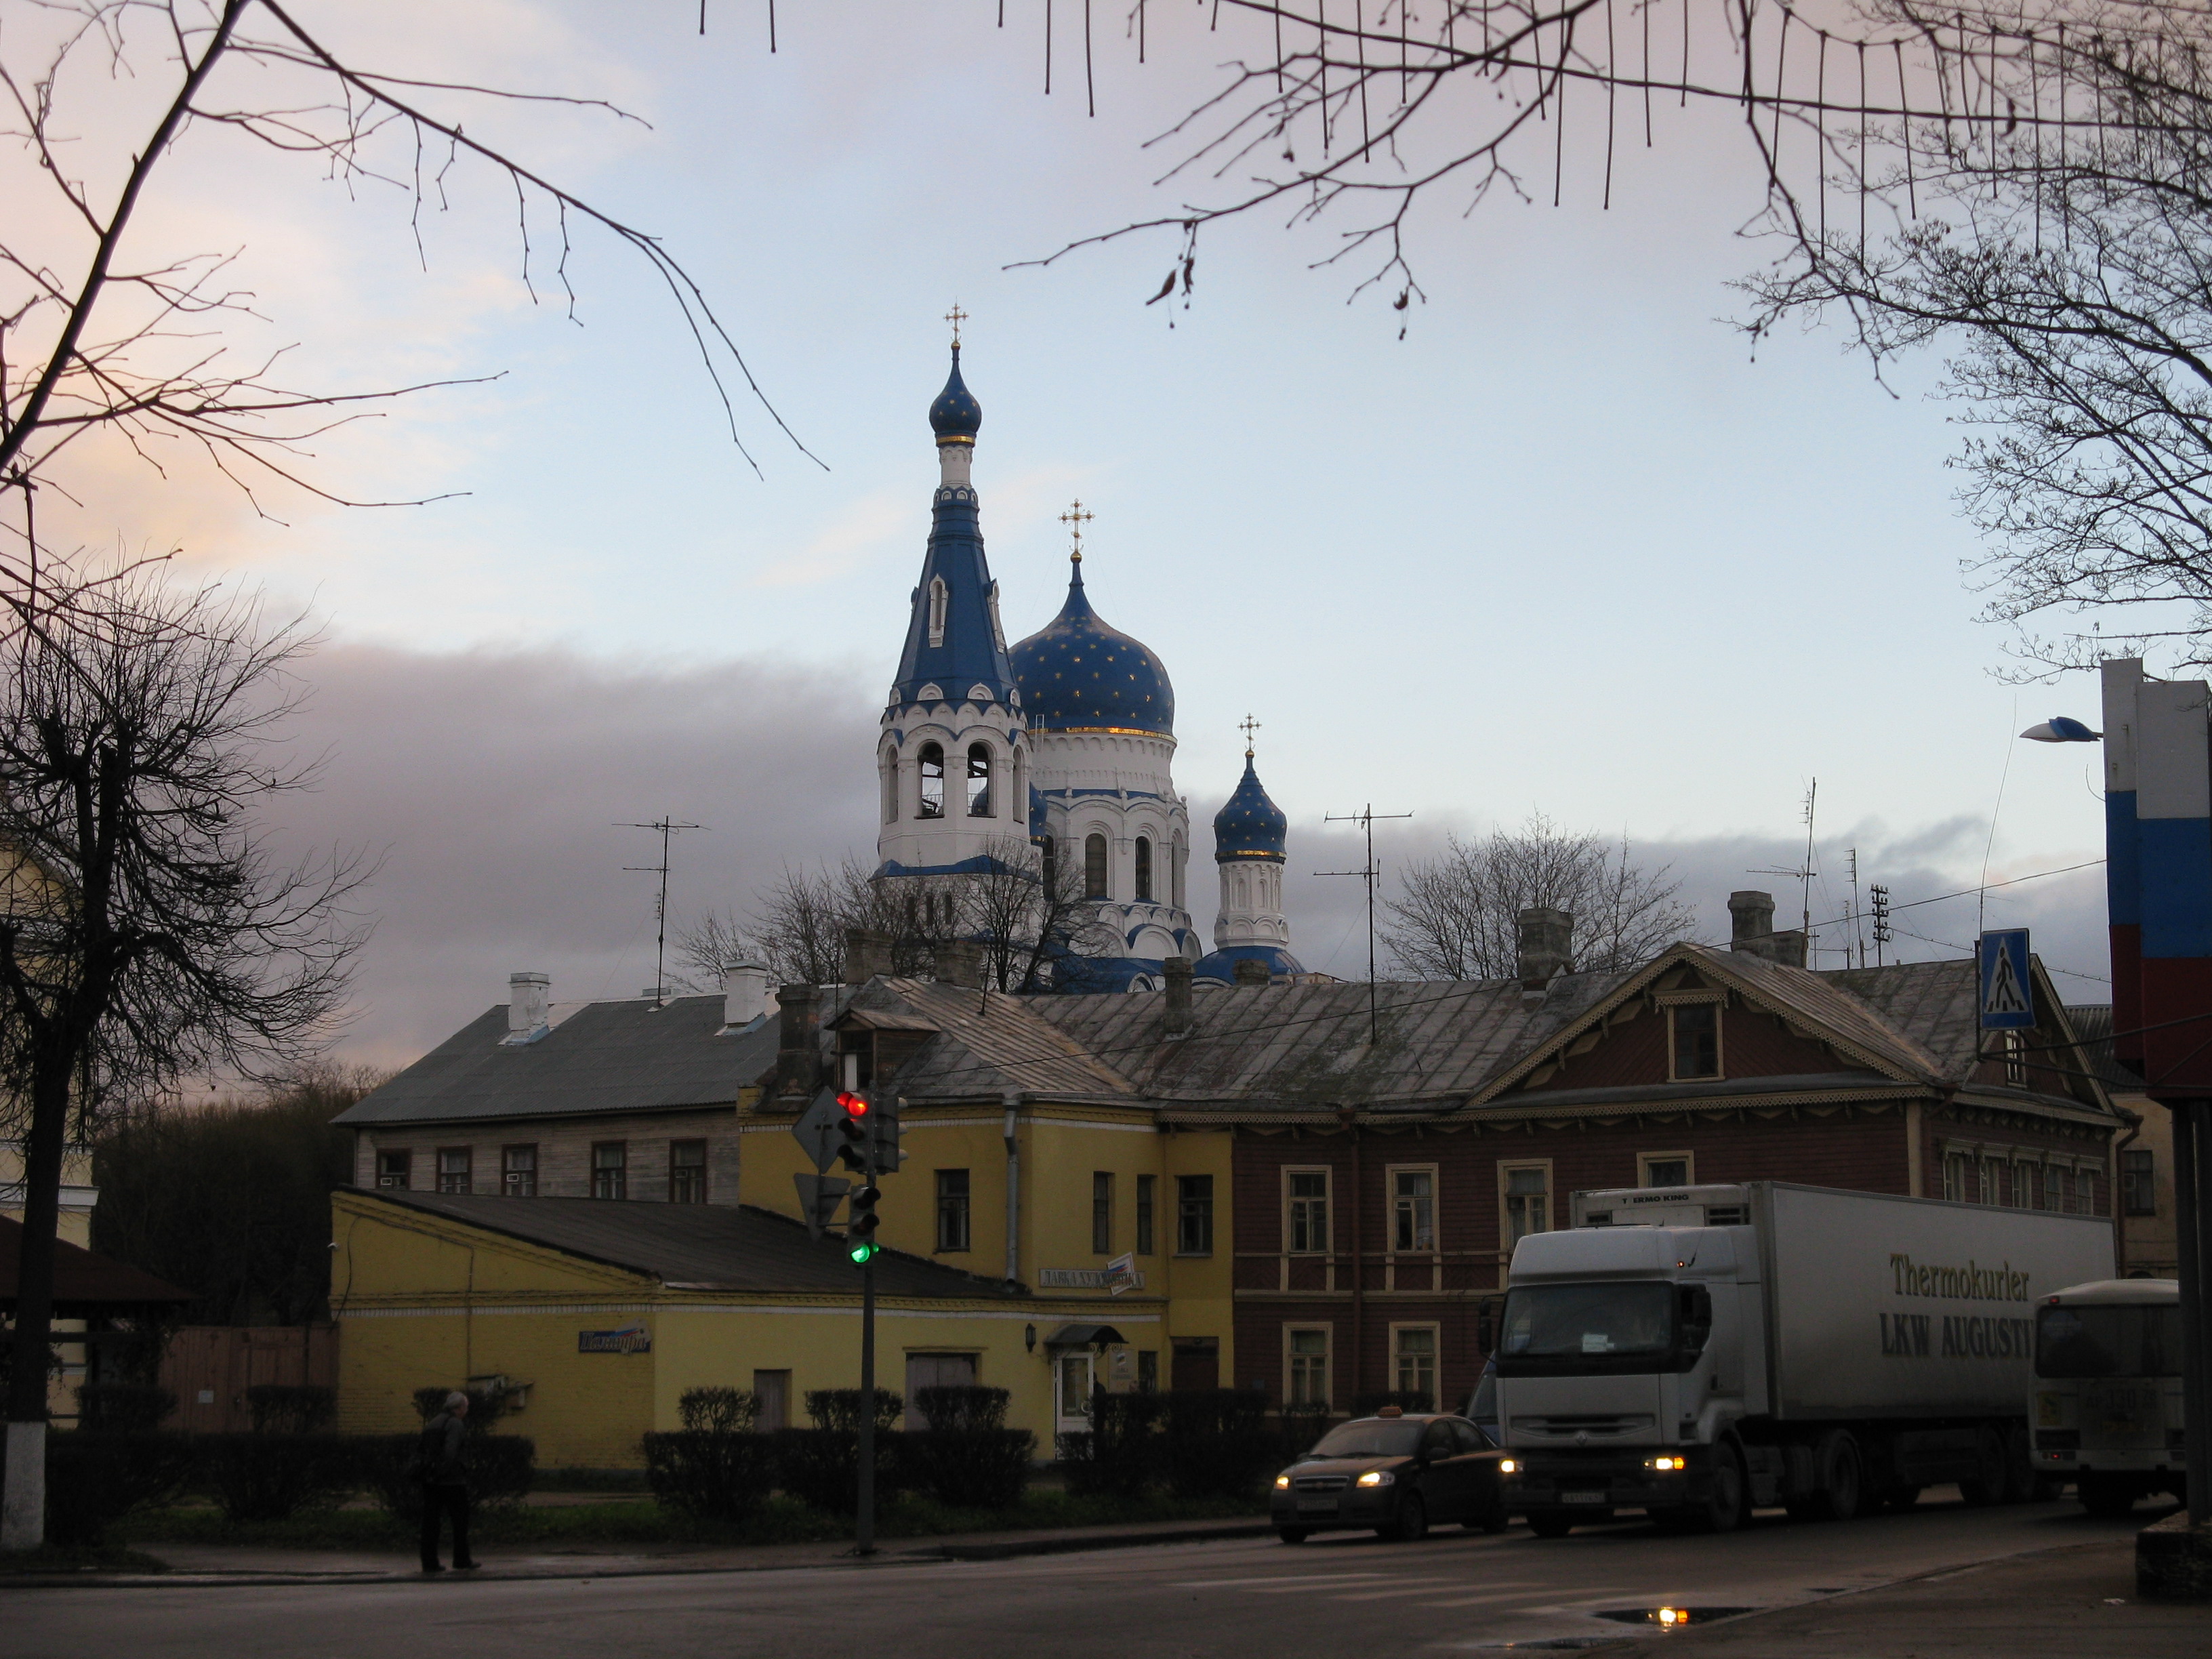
x=979 y=692
x=933 y=782
x=1693 y=1041
x=939 y=598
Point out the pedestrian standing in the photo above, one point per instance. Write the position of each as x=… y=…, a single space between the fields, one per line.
x=445 y=1484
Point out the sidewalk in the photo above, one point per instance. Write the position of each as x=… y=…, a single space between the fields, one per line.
x=2078 y=1601
x=215 y=1564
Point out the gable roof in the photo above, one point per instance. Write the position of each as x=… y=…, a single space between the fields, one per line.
x=695 y=1246
x=85 y=1282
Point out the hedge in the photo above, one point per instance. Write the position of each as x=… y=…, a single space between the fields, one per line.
x=96 y=1478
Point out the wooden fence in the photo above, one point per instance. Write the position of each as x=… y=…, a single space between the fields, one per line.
x=210 y=1368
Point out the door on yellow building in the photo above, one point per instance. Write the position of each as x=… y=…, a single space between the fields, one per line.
x=1070 y=1389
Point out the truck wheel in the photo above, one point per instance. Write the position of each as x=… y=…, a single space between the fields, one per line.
x=1726 y=1500
x=1841 y=1471
x=1550 y=1524
x=1986 y=1486
x=2104 y=1496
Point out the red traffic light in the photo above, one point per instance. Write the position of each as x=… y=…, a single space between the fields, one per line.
x=854 y=1105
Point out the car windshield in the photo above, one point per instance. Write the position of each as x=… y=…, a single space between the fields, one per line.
x=1561 y=1321
x=2108 y=1342
x=1369 y=1438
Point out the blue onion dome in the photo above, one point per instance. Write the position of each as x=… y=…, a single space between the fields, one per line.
x=956 y=417
x=1250 y=826
x=1076 y=674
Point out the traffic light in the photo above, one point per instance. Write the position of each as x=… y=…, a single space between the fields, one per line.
x=861 y=1245
x=883 y=1122
x=853 y=1131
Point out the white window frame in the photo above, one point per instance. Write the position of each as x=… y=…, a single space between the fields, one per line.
x=1328 y=1363
x=1398 y=1328
x=1646 y=1160
x=1505 y=1168
x=1327 y=1209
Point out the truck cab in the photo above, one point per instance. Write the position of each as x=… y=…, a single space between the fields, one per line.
x=2106 y=1407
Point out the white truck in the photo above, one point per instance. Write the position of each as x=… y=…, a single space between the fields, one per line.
x=1698 y=1352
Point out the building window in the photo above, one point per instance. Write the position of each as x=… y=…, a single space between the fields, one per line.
x=453 y=1169
x=1412 y=1210
x=518 y=1172
x=1049 y=857
x=1413 y=1360
x=1958 y=1173
x=979 y=780
x=1665 y=1168
x=687 y=1172
x=1306 y=1221
x=392 y=1169
x=1526 y=1191
x=952 y=1209
x=938 y=597
x=610 y=1169
x=1307 y=1365
x=2015 y=1058
x=1094 y=867
x=933 y=782
x=2022 y=1189
x=1693 y=1033
x=1143 y=869
x=1147 y=1189
x=1148 y=1371
x=1102 y=1213
x=1991 y=1169
x=1194 y=1215
x=2063 y=1180
x=2137 y=1192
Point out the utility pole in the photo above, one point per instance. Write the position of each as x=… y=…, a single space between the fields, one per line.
x=1878 y=895
x=1364 y=818
x=669 y=830
x=864 y=1526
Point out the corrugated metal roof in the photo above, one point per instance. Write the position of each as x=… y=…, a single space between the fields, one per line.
x=697 y=1246
x=628 y=1056
x=2093 y=1023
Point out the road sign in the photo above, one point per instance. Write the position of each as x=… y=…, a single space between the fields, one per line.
x=2008 y=999
x=818 y=1196
x=820 y=1128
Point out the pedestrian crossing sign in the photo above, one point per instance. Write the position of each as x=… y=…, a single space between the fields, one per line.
x=2007 y=1001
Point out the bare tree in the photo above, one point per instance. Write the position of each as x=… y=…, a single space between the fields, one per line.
x=101 y=337
x=1457 y=916
x=1033 y=919
x=148 y=933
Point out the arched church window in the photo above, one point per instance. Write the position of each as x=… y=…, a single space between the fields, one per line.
x=938 y=597
x=979 y=780
x=1094 y=867
x=1049 y=857
x=1145 y=869
x=933 y=782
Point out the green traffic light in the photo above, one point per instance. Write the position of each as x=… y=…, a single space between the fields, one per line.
x=861 y=1251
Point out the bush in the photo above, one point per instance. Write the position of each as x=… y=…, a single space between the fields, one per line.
x=1411 y=1400
x=93 y=1479
x=968 y=1457
x=287 y=1408
x=719 y=1410
x=713 y=1474
x=499 y=1469
x=821 y=1467
x=1119 y=1455
x=271 y=1477
x=1216 y=1441
x=840 y=1409
x=122 y=1408
x=1301 y=1426
x=957 y=1406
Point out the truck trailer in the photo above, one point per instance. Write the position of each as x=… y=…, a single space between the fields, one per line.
x=1698 y=1351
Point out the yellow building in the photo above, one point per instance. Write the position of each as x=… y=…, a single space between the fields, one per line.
x=75 y=1227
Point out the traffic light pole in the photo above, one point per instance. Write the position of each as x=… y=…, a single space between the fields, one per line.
x=864 y=1531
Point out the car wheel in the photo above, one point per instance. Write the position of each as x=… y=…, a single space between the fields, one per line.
x=1292 y=1534
x=1551 y=1523
x=1412 y=1524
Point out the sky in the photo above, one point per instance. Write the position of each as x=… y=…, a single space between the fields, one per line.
x=1568 y=546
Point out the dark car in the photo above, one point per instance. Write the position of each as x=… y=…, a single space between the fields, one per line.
x=1397 y=1472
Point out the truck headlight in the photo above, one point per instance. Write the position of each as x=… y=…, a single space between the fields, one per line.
x=1378 y=1478
x=1667 y=1465
x=1507 y=1466
x=1282 y=1482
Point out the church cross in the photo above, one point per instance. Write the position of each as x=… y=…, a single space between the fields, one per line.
x=955 y=317
x=1075 y=517
x=1248 y=725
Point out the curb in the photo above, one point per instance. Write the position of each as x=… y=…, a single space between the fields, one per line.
x=1000 y=1550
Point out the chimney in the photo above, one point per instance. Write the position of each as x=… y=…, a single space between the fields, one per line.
x=867 y=953
x=797 y=1055
x=959 y=961
x=1249 y=972
x=1751 y=925
x=1546 y=946
x=529 y=1000
x=744 y=992
x=1789 y=948
x=1174 y=1016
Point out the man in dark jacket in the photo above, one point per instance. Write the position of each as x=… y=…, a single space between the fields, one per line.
x=445 y=1486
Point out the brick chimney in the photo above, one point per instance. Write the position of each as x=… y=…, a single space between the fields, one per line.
x=1174 y=1012
x=1546 y=940
x=867 y=953
x=1752 y=930
x=957 y=961
x=1249 y=972
x=799 y=1053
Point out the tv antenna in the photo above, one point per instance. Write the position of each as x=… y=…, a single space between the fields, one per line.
x=1805 y=872
x=669 y=829
x=1364 y=818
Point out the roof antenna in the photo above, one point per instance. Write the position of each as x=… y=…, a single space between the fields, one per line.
x=669 y=829
x=1364 y=818
x=1805 y=874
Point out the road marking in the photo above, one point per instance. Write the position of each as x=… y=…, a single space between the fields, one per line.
x=1505 y=1596
x=1401 y=1585
x=1277 y=1579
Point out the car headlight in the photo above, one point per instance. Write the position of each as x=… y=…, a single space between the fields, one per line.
x=1667 y=1465
x=1507 y=1466
x=1282 y=1482
x=1378 y=1478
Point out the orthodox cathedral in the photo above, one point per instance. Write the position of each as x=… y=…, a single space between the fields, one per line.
x=1063 y=741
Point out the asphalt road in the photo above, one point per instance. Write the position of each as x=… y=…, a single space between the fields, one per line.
x=1339 y=1594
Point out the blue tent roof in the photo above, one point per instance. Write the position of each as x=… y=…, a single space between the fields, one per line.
x=967 y=652
x=1078 y=675
x=1249 y=826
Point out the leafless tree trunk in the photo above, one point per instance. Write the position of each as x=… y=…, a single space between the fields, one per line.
x=147 y=934
x=1457 y=916
x=1034 y=923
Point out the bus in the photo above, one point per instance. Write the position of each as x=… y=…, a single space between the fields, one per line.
x=2107 y=1408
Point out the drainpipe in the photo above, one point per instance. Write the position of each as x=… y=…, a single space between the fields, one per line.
x=1012 y=1100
